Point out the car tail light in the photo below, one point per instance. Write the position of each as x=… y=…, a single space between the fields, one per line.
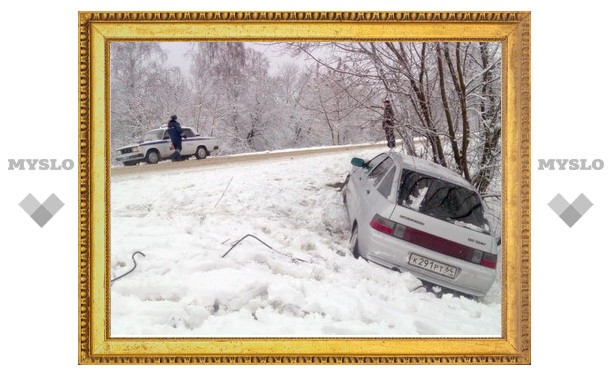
x=383 y=225
x=489 y=260
x=433 y=242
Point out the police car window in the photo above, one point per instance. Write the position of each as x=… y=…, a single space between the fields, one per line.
x=166 y=136
x=152 y=136
x=385 y=185
x=188 y=133
x=378 y=173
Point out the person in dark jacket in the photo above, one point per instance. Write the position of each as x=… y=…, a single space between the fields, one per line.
x=176 y=133
x=388 y=123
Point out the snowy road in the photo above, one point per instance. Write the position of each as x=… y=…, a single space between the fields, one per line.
x=310 y=286
x=119 y=170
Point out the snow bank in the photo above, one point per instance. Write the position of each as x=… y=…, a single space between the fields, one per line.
x=310 y=286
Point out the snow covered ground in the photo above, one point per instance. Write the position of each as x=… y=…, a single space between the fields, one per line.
x=309 y=285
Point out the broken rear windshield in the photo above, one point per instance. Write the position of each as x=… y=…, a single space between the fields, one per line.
x=442 y=200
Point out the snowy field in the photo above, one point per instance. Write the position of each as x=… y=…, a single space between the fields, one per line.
x=309 y=285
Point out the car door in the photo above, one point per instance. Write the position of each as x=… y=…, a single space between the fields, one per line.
x=165 y=147
x=376 y=190
x=354 y=189
x=189 y=144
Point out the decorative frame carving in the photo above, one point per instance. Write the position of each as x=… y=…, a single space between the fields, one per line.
x=97 y=29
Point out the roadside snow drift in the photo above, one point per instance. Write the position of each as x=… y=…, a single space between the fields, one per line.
x=309 y=284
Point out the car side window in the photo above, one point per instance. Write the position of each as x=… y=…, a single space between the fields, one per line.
x=188 y=133
x=385 y=185
x=375 y=161
x=379 y=172
x=165 y=135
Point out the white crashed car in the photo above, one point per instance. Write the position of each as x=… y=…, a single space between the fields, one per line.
x=156 y=146
x=412 y=215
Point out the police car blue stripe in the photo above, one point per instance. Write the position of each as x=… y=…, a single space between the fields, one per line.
x=168 y=141
x=152 y=143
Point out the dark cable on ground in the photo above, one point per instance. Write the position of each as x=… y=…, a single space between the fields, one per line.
x=228 y=184
x=264 y=243
x=131 y=270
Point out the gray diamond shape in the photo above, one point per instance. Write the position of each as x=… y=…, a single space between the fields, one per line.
x=582 y=204
x=53 y=204
x=41 y=216
x=558 y=204
x=29 y=204
x=570 y=216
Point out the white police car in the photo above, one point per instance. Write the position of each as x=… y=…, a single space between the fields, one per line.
x=156 y=146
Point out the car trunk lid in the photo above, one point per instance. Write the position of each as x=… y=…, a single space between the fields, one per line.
x=443 y=237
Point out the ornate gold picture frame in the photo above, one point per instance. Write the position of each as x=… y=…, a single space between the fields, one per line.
x=98 y=29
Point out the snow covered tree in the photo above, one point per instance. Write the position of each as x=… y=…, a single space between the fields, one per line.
x=144 y=90
x=232 y=85
x=338 y=104
x=295 y=128
x=447 y=93
x=489 y=115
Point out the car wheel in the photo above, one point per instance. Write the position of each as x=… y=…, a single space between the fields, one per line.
x=152 y=157
x=354 y=244
x=201 y=153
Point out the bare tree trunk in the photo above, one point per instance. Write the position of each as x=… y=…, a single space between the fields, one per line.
x=421 y=99
x=459 y=84
x=489 y=110
x=446 y=106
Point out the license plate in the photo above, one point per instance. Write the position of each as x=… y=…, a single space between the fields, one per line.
x=432 y=265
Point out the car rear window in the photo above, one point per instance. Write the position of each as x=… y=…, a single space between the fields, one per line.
x=442 y=200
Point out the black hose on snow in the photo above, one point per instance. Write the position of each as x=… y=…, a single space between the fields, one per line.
x=131 y=270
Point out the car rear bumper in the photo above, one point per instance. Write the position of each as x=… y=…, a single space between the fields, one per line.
x=394 y=253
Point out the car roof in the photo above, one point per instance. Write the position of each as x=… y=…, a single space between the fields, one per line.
x=430 y=168
x=164 y=127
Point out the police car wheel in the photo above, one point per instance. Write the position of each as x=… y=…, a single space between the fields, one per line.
x=201 y=153
x=152 y=157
